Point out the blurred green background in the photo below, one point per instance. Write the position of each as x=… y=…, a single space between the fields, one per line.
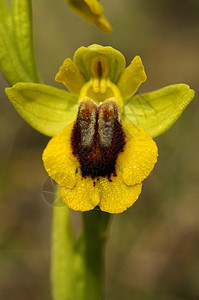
x=153 y=251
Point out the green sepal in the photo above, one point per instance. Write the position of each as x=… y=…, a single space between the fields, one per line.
x=45 y=108
x=157 y=111
x=116 y=62
x=16 y=46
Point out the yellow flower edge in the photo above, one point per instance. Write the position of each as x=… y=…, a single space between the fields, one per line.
x=58 y=160
x=139 y=156
x=113 y=196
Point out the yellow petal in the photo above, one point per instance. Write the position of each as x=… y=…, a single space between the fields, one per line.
x=58 y=159
x=92 y=11
x=95 y=7
x=70 y=76
x=103 y=24
x=131 y=78
x=139 y=155
x=84 y=196
x=116 y=196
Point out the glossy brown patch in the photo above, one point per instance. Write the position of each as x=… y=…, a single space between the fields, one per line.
x=107 y=140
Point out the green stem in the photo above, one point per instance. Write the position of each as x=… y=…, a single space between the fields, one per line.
x=62 y=253
x=95 y=224
x=77 y=266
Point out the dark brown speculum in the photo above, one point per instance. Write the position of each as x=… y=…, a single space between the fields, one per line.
x=97 y=138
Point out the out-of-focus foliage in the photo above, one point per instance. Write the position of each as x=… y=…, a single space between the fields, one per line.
x=153 y=248
x=16 y=46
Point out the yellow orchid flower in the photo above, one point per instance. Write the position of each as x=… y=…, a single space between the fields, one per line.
x=99 y=160
x=102 y=147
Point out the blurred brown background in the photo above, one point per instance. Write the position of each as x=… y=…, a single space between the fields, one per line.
x=153 y=251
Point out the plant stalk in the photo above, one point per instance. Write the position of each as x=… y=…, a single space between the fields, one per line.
x=77 y=266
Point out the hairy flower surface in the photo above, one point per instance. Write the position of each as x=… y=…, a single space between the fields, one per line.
x=100 y=164
x=102 y=147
